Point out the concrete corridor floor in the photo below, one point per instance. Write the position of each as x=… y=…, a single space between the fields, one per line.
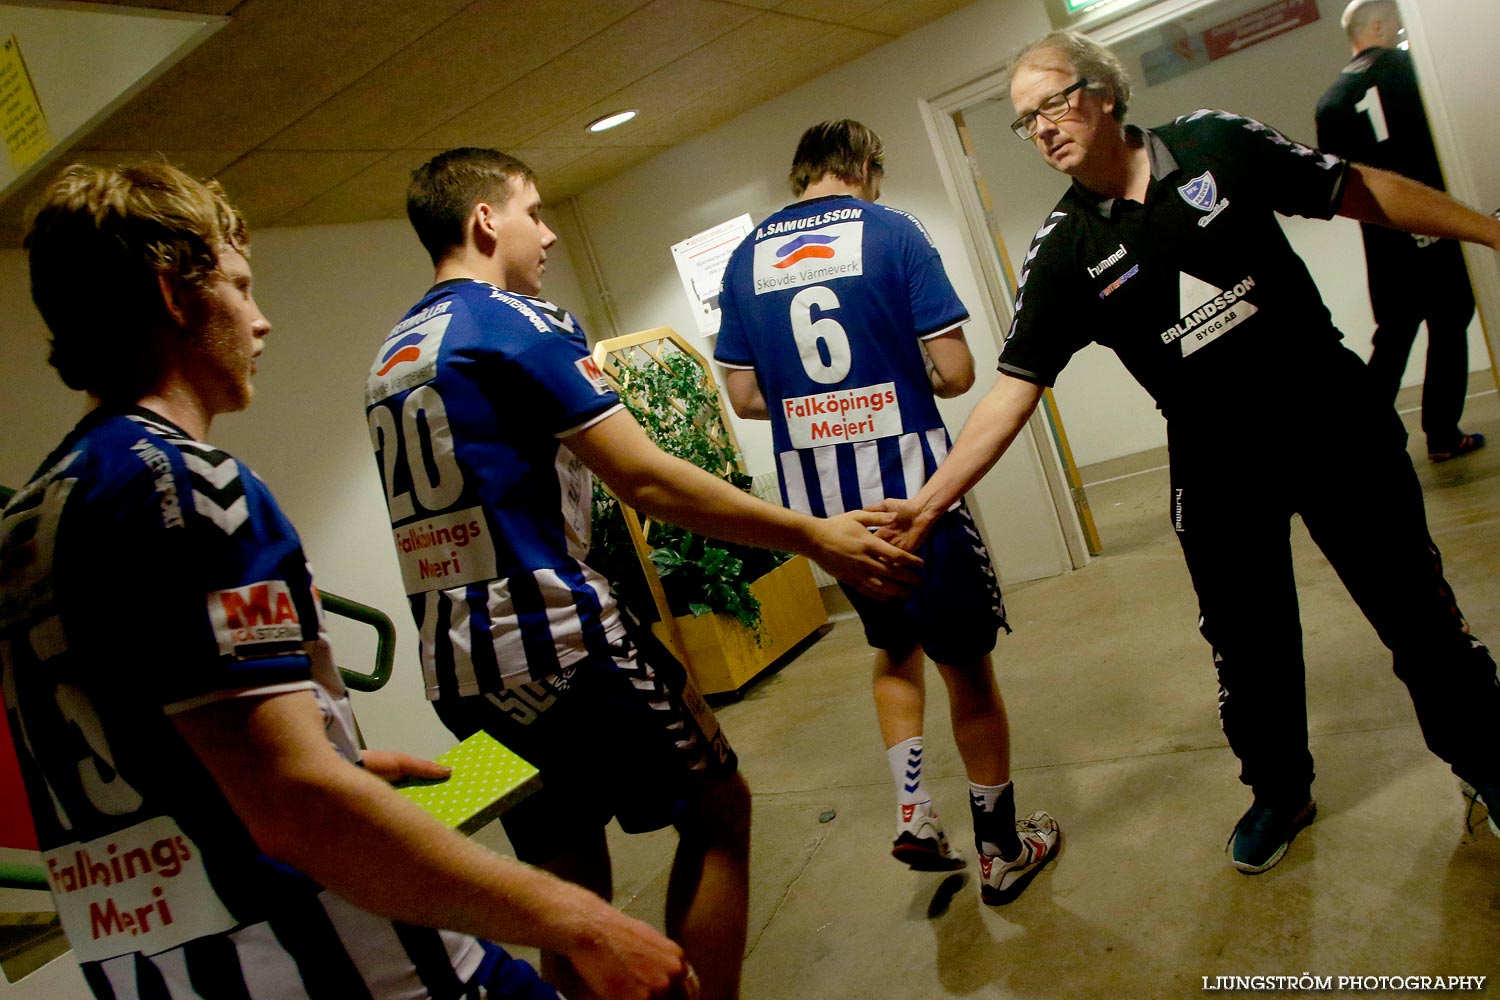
x=1111 y=697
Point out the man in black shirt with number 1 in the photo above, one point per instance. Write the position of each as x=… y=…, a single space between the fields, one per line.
x=1373 y=114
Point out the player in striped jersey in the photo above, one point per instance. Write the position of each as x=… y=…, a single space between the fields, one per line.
x=207 y=823
x=840 y=326
x=487 y=414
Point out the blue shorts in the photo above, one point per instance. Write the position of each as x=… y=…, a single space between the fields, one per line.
x=625 y=737
x=955 y=613
x=501 y=977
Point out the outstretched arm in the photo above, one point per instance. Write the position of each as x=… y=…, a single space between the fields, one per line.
x=743 y=388
x=950 y=364
x=986 y=435
x=650 y=480
x=1388 y=199
x=347 y=829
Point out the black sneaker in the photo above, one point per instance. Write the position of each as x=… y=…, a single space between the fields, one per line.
x=1261 y=836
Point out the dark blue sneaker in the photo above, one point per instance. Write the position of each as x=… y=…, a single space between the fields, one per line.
x=1477 y=806
x=1261 y=836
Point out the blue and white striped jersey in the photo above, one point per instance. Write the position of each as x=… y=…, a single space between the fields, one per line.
x=469 y=399
x=142 y=574
x=826 y=301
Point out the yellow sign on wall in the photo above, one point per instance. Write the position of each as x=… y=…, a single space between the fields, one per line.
x=22 y=121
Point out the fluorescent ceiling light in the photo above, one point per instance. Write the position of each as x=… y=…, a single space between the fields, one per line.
x=610 y=121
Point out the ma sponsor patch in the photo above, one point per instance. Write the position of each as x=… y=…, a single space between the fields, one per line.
x=255 y=615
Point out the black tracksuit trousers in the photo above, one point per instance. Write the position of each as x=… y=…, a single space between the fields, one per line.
x=1326 y=445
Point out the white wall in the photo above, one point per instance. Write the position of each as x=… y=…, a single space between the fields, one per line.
x=1451 y=45
x=1279 y=82
x=741 y=167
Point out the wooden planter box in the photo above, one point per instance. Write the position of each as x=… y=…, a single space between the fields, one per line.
x=719 y=653
x=722 y=655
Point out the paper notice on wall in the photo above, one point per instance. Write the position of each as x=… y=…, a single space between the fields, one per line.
x=701 y=261
x=22 y=121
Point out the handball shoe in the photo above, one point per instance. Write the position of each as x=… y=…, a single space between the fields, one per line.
x=1262 y=835
x=1001 y=880
x=920 y=841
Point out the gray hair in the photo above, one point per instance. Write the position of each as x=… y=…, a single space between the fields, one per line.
x=1092 y=61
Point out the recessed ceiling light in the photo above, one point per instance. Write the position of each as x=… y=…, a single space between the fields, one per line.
x=610 y=121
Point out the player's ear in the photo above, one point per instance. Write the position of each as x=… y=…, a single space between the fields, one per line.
x=482 y=224
x=174 y=297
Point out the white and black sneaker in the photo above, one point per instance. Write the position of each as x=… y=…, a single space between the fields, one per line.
x=920 y=841
x=1002 y=881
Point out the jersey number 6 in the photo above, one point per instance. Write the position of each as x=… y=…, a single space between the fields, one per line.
x=809 y=333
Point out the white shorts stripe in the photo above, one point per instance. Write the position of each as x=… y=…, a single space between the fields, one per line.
x=937 y=443
x=867 y=464
x=428 y=640
x=267 y=967
x=374 y=948
x=121 y=975
x=826 y=460
x=913 y=466
x=459 y=637
x=793 y=482
x=505 y=632
x=173 y=966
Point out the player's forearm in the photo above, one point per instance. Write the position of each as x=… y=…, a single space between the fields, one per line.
x=945 y=388
x=309 y=808
x=385 y=855
x=986 y=435
x=1388 y=199
x=683 y=494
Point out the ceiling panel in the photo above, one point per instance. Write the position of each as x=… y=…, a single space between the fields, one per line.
x=592 y=168
x=267 y=184
x=459 y=63
x=897 y=17
x=275 y=61
x=218 y=7
x=316 y=111
x=791 y=67
x=769 y=47
x=627 y=51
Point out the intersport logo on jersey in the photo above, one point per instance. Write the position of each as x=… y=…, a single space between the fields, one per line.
x=254 y=615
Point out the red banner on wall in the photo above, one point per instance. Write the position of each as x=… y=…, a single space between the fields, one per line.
x=1258 y=26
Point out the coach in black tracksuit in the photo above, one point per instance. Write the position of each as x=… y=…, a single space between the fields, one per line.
x=1373 y=114
x=1166 y=249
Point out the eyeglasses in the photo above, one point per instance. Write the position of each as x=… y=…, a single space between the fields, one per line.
x=1053 y=109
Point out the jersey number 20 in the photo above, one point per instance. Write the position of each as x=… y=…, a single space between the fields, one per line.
x=424 y=421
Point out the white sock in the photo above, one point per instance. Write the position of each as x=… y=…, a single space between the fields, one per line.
x=905 y=759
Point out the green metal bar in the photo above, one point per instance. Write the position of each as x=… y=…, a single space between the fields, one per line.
x=385 y=641
x=18 y=876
